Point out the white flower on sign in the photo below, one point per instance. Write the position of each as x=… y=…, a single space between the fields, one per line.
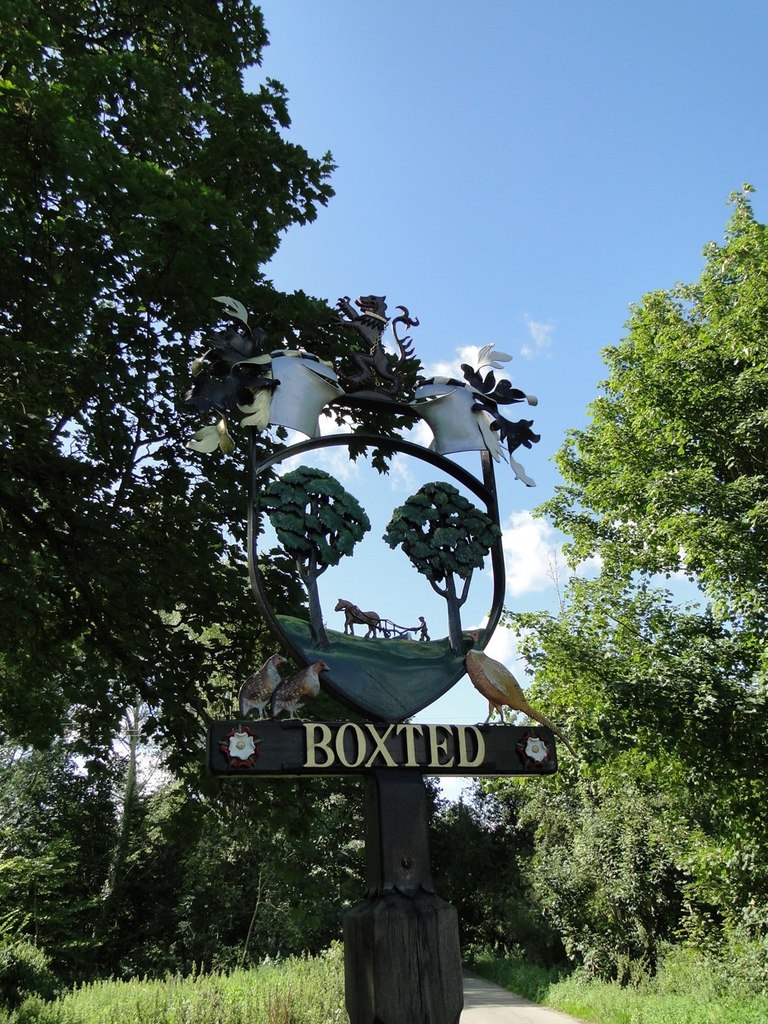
x=536 y=749
x=241 y=745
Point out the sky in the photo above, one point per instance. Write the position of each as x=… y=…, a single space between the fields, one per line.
x=516 y=174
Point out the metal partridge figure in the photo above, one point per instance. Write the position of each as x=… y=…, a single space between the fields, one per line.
x=289 y=694
x=256 y=692
x=501 y=689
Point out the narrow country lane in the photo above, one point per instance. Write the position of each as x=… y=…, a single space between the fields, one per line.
x=488 y=1003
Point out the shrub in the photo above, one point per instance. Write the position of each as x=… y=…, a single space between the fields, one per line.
x=24 y=971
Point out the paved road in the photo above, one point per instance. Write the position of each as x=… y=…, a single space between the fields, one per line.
x=486 y=1003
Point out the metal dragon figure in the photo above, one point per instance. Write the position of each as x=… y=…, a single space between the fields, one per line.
x=377 y=369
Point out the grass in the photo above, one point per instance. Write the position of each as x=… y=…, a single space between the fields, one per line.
x=391 y=678
x=688 y=988
x=295 y=991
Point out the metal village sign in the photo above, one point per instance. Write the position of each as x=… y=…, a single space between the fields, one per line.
x=402 y=955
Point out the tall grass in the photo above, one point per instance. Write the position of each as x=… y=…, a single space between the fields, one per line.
x=295 y=991
x=688 y=988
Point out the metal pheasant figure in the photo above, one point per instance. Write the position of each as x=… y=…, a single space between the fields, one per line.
x=256 y=691
x=289 y=694
x=501 y=689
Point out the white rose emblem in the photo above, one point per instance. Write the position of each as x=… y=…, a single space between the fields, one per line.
x=536 y=749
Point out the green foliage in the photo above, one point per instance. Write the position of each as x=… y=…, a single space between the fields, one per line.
x=314 y=516
x=441 y=532
x=295 y=991
x=658 y=834
x=24 y=971
x=318 y=522
x=605 y=873
x=671 y=472
x=689 y=987
x=137 y=178
x=517 y=974
x=56 y=829
x=479 y=849
x=174 y=880
x=446 y=538
x=267 y=874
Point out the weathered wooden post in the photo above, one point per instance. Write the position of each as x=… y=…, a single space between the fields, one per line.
x=402 y=955
x=401 y=945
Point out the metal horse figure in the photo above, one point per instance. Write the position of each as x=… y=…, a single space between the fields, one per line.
x=352 y=614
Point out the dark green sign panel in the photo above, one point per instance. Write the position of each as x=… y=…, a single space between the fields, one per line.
x=242 y=748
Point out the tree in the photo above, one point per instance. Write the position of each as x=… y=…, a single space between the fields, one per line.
x=667 y=700
x=445 y=536
x=318 y=522
x=478 y=851
x=662 y=700
x=670 y=474
x=138 y=178
x=56 y=832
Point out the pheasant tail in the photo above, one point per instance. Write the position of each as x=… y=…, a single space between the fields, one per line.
x=543 y=720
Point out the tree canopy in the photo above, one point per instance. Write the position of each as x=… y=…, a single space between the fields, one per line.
x=658 y=834
x=670 y=475
x=318 y=522
x=138 y=178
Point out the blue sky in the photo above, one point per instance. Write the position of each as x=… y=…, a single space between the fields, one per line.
x=519 y=173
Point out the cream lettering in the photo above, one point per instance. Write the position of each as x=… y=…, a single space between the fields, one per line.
x=438 y=747
x=380 y=748
x=323 y=744
x=347 y=746
x=464 y=759
x=410 y=743
x=359 y=735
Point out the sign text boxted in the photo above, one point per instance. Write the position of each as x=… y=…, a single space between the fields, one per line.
x=268 y=747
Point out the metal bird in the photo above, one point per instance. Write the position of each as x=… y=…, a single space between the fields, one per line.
x=258 y=688
x=499 y=686
x=305 y=683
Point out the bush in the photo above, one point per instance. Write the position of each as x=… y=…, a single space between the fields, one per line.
x=24 y=971
x=604 y=875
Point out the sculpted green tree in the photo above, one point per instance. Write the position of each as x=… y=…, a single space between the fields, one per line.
x=318 y=522
x=138 y=178
x=446 y=538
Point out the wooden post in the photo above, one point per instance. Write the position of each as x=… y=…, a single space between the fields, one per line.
x=401 y=945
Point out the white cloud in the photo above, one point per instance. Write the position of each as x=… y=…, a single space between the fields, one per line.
x=532 y=554
x=590 y=567
x=534 y=559
x=541 y=338
x=452 y=367
x=503 y=647
x=333 y=459
x=419 y=433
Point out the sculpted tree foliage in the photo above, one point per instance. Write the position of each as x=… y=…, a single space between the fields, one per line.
x=138 y=178
x=446 y=538
x=318 y=522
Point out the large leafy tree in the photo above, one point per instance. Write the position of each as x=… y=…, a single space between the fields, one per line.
x=663 y=701
x=57 y=828
x=669 y=701
x=246 y=873
x=671 y=472
x=138 y=178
